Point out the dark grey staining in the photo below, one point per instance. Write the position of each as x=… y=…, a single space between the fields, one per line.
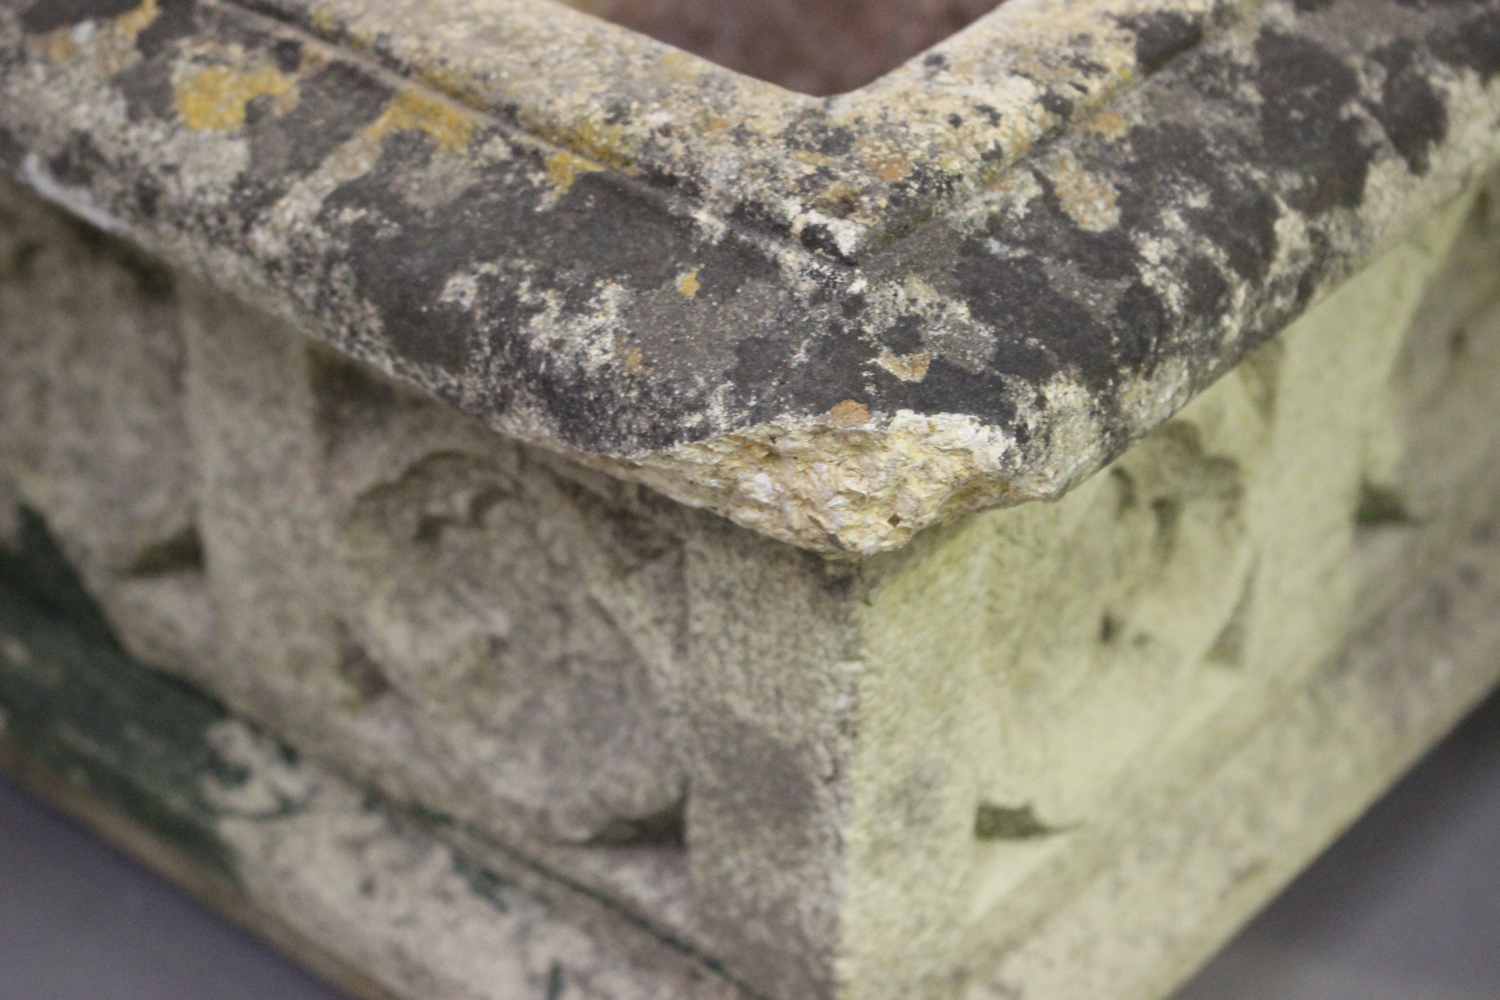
x=1140 y=324
x=949 y=388
x=402 y=262
x=1474 y=44
x=333 y=106
x=605 y=222
x=1056 y=104
x=11 y=151
x=1162 y=36
x=147 y=89
x=50 y=15
x=175 y=19
x=1320 y=259
x=454 y=258
x=404 y=253
x=1410 y=111
x=820 y=239
x=287 y=54
x=493 y=887
x=904 y=336
x=1051 y=233
x=1306 y=129
x=77 y=162
x=811 y=374
x=1173 y=161
x=761 y=362
x=990 y=114
x=1016 y=298
x=1206 y=291
x=1243 y=226
x=836 y=141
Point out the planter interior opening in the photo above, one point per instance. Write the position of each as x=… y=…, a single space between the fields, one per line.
x=812 y=46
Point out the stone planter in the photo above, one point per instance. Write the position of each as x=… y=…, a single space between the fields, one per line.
x=508 y=508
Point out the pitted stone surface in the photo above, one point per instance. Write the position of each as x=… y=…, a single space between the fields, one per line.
x=834 y=321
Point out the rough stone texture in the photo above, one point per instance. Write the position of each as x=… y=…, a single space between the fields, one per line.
x=367 y=892
x=863 y=779
x=394 y=229
x=836 y=321
x=385 y=909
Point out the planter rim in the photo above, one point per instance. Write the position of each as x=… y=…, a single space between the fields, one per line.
x=837 y=320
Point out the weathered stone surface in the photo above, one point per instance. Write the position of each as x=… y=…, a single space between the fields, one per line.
x=835 y=321
x=878 y=761
x=868 y=778
x=367 y=892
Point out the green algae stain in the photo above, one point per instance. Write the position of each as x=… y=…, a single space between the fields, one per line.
x=78 y=705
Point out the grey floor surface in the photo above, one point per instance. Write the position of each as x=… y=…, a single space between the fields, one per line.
x=1405 y=907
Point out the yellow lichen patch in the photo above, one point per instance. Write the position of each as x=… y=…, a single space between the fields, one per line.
x=906 y=367
x=136 y=21
x=611 y=145
x=324 y=20
x=712 y=124
x=1087 y=198
x=682 y=67
x=450 y=127
x=849 y=414
x=215 y=98
x=58 y=46
x=839 y=199
x=630 y=357
x=811 y=159
x=890 y=165
x=564 y=167
x=1109 y=124
x=687 y=284
x=457 y=83
x=110 y=45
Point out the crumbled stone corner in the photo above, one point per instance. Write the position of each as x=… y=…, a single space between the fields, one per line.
x=851 y=483
x=856 y=488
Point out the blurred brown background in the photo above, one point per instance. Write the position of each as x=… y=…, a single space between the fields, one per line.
x=813 y=46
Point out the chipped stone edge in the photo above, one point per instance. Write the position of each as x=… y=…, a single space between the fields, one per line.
x=847 y=483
